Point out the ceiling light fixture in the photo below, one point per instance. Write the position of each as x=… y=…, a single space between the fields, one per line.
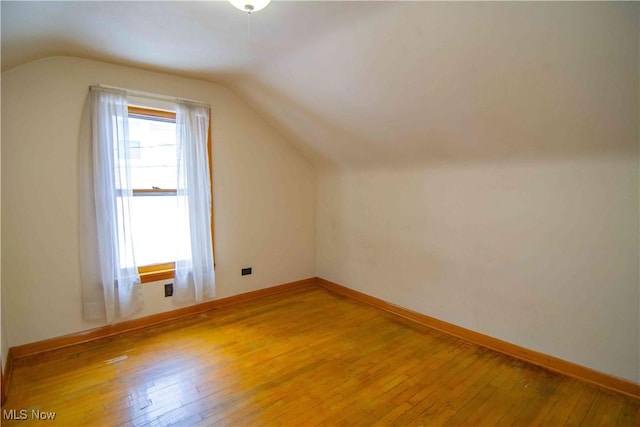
x=250 y=5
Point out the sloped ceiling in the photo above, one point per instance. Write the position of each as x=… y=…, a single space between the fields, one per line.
x=359 y=84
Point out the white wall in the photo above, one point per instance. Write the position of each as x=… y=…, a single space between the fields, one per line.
x=4 y=342
x=540 y=253
x=264 y=194
x=4 y=338
x=493 y=182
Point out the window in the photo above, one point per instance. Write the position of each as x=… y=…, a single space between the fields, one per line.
x=152 y=135
x=170 y=194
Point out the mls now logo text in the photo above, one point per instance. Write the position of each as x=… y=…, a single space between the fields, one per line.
x=23 y=414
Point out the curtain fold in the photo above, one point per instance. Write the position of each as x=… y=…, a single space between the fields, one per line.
x=108 y=261
x=194 y=273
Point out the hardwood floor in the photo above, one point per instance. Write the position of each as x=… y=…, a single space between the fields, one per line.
x=300 y=358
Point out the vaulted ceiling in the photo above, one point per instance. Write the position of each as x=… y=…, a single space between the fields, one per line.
x=360 y=83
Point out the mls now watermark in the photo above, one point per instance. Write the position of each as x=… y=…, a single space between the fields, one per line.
x=23 y=415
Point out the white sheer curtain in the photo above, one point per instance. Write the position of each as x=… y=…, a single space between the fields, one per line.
x=108 y=261
x=195 y=276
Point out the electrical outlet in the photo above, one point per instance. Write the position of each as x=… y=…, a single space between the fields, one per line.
x=168 y=290
x=246 y=271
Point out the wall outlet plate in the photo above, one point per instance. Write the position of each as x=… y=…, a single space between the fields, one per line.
x=246 y=271
x=168 y=290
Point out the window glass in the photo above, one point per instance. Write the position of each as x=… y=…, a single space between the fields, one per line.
x=154 y=231
x=152 y=152
x=153 y=166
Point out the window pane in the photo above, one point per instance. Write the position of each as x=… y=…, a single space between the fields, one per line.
x=154 y=224
x=152 y=153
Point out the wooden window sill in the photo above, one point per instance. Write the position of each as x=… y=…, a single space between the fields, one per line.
x=154 y=273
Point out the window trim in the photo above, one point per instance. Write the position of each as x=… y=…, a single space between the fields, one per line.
x=166 y=271
x=156 y=272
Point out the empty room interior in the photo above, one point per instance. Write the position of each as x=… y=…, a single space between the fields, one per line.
x=320 y=213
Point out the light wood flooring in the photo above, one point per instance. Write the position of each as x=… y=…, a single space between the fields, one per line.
x=300 y=358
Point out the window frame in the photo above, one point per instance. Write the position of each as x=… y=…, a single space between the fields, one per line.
x=166 y=271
